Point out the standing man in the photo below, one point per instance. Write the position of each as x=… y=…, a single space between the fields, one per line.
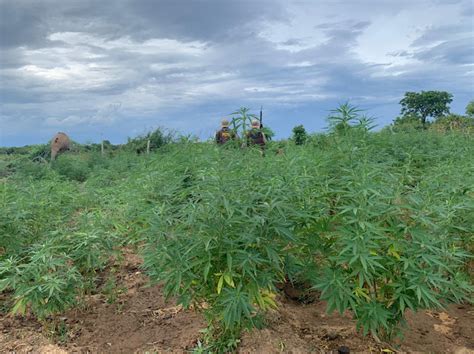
x=255 y=135
x=225 y=134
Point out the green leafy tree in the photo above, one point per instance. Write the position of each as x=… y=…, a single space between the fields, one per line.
x=470 y=109
x=426 y=104
x=299 y=135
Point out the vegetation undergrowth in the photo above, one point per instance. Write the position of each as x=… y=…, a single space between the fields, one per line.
x=377 y=222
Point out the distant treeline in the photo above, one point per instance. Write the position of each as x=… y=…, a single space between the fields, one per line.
x=139 y=144
x=425 y=110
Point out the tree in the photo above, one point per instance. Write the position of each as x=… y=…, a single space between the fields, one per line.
x=299 y=135
x=470 y=109
x=426 y=104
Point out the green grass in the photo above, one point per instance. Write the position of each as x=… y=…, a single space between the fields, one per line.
x=378 y=222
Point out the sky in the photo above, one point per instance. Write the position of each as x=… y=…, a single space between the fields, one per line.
x=119 y=68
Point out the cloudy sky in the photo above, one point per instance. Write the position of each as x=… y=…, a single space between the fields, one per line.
x=115 y=69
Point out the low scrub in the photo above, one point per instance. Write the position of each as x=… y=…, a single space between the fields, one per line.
x=155 y=139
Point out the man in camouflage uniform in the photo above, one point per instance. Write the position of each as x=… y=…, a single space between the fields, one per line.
x=255 y=136
x=225 y=134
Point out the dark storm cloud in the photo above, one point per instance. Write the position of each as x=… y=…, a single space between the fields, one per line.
x=443 y=33
x=468 y=11
x=205 y=20
x=86 y=65
x=350 y=26
x=21 y=24
x=460 y=51
x=292 y=41
x=30 y=22
x=10 y=58
x=341 y=37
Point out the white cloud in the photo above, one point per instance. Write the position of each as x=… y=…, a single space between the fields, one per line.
x=153 y=46
x=73 y=76
x=105 y=68
x=301 y=64
x=65 y=122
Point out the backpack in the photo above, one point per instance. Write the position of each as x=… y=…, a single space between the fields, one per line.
x=255 y=137
x=224 y=135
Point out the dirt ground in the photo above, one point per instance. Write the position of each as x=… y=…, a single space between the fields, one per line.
x=136 y=318
x=300 y=328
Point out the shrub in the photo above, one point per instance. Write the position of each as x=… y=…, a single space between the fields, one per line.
x=40 y=152
x=72 y=167
x=408 y=123
x=356 y=222
x=234 y=256
x=342 y=118
x=96 y=161
x=39 y=169
x=299 y=135
x=157 y=138
x=454 y=122
x=470 y=109
x=378 y=222
x=347 y=119
x=44 y=284
x=269 y=133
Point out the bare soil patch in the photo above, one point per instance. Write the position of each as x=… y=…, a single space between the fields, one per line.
x=297 y=328
x=136 y=318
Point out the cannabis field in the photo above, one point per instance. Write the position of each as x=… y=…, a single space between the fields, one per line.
x=371 y=226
